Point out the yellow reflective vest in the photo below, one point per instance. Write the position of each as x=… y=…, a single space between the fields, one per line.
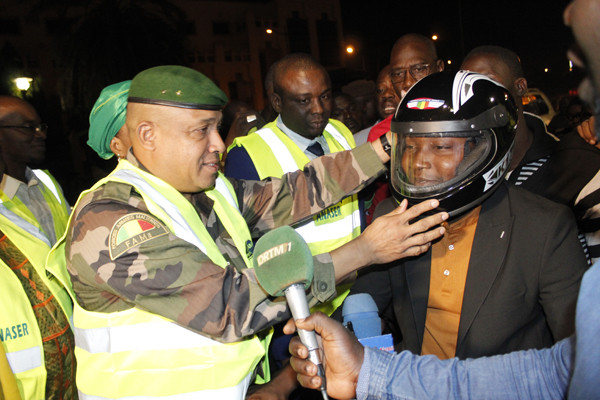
x=274 y=154
x=19 y=331
x=136 y=353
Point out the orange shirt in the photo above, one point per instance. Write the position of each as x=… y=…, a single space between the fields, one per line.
x=449 y=265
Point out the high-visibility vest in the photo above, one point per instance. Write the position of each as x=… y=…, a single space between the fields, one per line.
x=54 y=199
x=136 y=353
x=274 y=154
x=19 y=330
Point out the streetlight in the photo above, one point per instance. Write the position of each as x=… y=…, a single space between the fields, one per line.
x=269 y=31
x=353 y=51
x=23 y=83
x=434 y=37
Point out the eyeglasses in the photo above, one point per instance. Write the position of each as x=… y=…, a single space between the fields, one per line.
x=29 y=128
x=417 y=71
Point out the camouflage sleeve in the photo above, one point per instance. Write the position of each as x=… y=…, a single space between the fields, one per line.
x=120 y=256
x=297 y=195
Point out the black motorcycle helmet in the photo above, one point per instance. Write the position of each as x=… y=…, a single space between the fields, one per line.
x=453 y=140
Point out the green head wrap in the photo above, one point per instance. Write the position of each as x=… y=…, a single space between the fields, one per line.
x=107 y=117
x=176 y=86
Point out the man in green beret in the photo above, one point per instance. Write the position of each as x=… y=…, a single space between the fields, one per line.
x=159 y=252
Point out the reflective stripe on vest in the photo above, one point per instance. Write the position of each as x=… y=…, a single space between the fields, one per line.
x=338 y=136
x=47 y=181
x=235 y=392
x=280 y=150
x=135 y=337
x=143 y=354
x=58 y=205
x=24 y=360
x=221 y=187
x=26 y=226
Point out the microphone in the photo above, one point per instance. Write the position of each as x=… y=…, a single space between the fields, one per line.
x=360 y=315
x=284 y=265
x=361 y=311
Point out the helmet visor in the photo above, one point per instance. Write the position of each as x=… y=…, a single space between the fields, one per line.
x=431 y=164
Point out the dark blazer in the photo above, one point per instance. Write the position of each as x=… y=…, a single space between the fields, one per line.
x=524 y=273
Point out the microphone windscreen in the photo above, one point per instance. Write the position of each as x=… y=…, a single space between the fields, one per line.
x=360 y=309
x=281 y=259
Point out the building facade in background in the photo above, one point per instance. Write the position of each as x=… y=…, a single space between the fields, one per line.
x=233 y=42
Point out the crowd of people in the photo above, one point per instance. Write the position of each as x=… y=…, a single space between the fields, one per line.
x=475 y=230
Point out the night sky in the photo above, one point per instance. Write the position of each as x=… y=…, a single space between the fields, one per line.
x=532 y=28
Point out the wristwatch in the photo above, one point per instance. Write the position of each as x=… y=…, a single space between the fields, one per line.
x=387 y=147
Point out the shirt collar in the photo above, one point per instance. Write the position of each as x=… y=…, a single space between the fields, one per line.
x=471 y=217
x=299 y=140
x=10 y=185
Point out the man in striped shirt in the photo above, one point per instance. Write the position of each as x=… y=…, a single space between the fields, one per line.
x=565 y=170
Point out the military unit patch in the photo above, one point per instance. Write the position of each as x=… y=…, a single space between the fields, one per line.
x=132 y=230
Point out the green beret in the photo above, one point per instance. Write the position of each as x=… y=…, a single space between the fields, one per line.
x=107 y=117
x=176 y=86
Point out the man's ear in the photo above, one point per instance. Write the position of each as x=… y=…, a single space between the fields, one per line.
x=146 y=135
x=520 y=86
x=440 y=65
x=276 y=102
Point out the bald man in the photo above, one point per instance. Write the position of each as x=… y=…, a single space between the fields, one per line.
x=413 y=57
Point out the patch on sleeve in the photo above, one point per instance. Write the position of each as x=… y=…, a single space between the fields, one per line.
x=133 y=230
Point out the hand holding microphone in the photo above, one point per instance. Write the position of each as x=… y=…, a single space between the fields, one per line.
x=343 y=356
x=283 y=264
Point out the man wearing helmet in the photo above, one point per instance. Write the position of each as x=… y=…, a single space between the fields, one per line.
x=505 y=275
x=567 y=369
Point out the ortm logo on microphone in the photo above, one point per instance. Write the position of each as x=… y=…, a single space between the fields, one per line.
x=273 y=252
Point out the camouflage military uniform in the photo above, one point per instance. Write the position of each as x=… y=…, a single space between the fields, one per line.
x=168 y=276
